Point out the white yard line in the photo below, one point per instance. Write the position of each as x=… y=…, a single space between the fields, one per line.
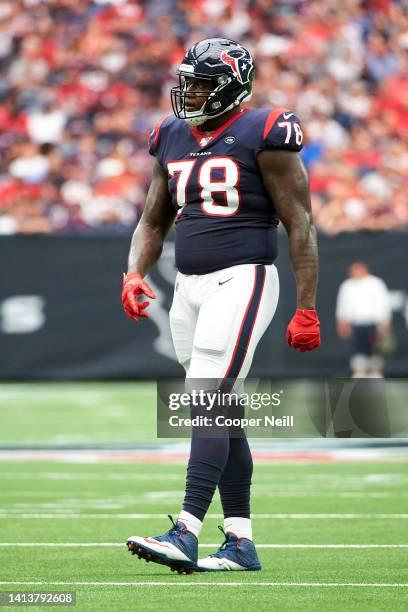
x=364 y=480
x=216 y=584
x=122 y=544
x=5 y=514
x=88 y=476
x=178 y=456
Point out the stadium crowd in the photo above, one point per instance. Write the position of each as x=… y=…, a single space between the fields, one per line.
x=82 y=84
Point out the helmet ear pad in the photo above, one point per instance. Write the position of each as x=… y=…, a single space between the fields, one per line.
x=224 y=95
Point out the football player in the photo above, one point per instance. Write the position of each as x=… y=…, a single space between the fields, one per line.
x=226 y=175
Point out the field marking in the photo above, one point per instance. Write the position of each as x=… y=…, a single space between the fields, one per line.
x=88 y=476
x=263 y=482
x=364 y=478
x=121 y=545
x=219 y=584
x=294 y=516
x=174 y=456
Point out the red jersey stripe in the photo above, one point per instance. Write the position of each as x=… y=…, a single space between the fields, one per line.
x=270 y=121
x=157 y=131
x=199 y=134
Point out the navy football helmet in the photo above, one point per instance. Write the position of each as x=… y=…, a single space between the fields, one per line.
x=228 y=65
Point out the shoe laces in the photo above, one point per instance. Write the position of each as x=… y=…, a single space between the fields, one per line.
x=178 y=529
x=228 y=544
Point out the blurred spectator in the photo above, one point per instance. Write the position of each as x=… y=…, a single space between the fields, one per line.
x=47 y=124
x=30 y=166
x=82 y=84
x=363 y=313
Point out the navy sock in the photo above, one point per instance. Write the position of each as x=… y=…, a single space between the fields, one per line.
x=207 y=461
x=235 y=483
x=223 y=459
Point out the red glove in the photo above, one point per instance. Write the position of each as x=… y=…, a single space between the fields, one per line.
x=133 y=286
x=303 y=331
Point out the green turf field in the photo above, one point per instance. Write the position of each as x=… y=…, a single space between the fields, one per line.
x=64 y=414
x=327 y=532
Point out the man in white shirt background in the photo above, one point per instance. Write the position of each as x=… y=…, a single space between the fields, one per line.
x=363 y=313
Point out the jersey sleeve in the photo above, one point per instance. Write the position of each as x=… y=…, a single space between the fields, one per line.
x=282 y=130
x=156 y=138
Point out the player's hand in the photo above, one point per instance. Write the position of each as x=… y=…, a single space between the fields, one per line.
x=133 y=287
x=303 y=331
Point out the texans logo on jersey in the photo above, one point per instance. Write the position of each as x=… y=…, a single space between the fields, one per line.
x=239 y=62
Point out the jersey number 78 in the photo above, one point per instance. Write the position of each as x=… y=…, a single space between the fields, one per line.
x=227 y=186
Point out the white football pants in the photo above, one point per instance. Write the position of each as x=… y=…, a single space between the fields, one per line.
x=217 y=319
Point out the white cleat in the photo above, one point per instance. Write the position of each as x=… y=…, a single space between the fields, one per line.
x=235 y=554
x=177 y=548
x=165 y=549
x=214 y=564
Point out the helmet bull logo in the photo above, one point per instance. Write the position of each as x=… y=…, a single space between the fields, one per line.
x=235 y=59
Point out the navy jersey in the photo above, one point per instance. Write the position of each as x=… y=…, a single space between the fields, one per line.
x=225 y=215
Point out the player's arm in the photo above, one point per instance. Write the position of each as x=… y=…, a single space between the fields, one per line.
x=147 y=244
x=157 y=218
x=285 y=178
x=286 y=181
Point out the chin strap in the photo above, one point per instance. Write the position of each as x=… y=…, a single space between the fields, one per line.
x=196 y=120
x=203 y=118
